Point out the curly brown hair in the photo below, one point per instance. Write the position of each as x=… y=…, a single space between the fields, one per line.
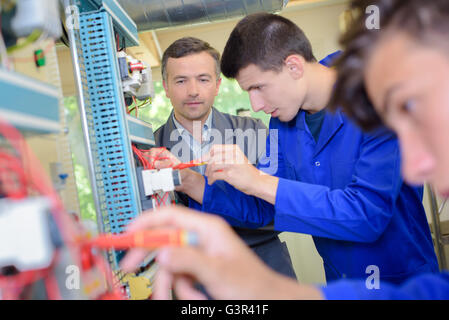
x=421 y=19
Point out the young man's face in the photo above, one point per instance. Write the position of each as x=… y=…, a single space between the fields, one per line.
x=274 y=93
x=192 y=85
x=409 y=86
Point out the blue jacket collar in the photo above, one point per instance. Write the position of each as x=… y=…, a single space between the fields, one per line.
x=331 y=124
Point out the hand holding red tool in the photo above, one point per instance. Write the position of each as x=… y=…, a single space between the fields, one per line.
x=148 y=239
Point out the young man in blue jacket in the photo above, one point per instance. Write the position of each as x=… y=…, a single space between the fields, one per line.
x=403 y=70
x=328 y=178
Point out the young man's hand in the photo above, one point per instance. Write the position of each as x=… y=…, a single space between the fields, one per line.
x=229 y=163
x=221 y=262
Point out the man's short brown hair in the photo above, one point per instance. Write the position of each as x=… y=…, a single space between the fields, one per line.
x=187 y=46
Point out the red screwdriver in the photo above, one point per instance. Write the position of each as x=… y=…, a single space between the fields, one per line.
x=148 y=239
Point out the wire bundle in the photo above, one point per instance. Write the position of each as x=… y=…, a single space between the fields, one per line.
x=21 y=176
x=148 y=163
x=135 y=106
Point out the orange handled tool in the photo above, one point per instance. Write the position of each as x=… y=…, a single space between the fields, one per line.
x=193 y=163
x=148 y=239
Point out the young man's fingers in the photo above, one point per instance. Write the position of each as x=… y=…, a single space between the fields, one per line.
x=185 y=289
x=182 y=218
x=217 y=175
x=133 y=259
x=229 y=157
x=165 y=217
x=216 y=153
x=165 y=163
x=215 y=167
x=190 y=261
x=162 y=285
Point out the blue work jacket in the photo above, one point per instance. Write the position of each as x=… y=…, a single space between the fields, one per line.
x=346 y=191
x=428 y=286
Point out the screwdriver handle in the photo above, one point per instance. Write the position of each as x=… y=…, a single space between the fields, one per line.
x=148 y=239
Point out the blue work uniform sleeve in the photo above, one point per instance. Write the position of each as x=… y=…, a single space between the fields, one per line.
x=360 y=211
x=237 y=208
x=422 y=287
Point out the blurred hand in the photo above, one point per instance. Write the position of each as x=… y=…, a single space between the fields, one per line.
x=221 y=262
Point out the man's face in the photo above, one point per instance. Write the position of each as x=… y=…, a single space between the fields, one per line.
x=275 y=93
x=191 y=85
x=409 y=86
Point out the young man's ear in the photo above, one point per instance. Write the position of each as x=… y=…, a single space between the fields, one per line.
x=295 y=65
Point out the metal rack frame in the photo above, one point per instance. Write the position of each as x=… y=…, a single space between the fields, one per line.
x=104 y=122
x=440 y=240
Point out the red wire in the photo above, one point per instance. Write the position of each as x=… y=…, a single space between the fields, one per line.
x=16 y=282
x=31 y=174
x=36 y=179
x=144 y=159
x=11 y=165
x=157 y=157
x=52 y=288
x=51 y=284
x=193 y=163
x=140 y=156
x=164 y=197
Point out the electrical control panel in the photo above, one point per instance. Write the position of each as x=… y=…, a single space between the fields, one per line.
x=136 y=77
x=45 y=237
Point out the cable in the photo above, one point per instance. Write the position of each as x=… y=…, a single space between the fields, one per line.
x=33 y=37
x=31 y=175
x=145 y=103
x=10 y=165
x=47 y=49
x=145 y=159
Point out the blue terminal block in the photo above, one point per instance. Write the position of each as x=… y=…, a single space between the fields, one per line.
x=140 y=132
x=106 y=108
x=30 y=105
x=123 y=24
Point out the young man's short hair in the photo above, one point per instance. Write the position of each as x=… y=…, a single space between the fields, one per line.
x=187 y=46
x=265 y=40
x=423 y=20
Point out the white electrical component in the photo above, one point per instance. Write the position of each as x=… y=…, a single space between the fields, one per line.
x=37 y=15
x=146 y=89
x=163 y=180
x=25 y=234
x=136 y=77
